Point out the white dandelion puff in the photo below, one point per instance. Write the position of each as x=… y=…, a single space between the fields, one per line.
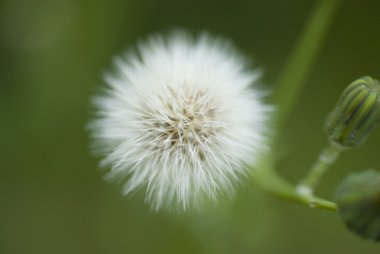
x=181 y=119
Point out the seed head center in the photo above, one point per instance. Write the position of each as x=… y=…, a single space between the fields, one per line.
x=186 y=124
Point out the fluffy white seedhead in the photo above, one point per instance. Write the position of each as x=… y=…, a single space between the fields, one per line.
x=181 y=119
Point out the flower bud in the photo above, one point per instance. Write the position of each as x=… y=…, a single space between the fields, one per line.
x=356 y=113
x=358 y=198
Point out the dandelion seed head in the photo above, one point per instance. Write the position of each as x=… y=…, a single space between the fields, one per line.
x=182 y=119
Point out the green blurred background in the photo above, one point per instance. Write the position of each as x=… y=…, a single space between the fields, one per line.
x=52 y=196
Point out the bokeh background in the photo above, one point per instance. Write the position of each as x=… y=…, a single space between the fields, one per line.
x=52 y=195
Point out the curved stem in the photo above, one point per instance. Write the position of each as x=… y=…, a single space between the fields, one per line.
x=287 y=89
x=267 y=179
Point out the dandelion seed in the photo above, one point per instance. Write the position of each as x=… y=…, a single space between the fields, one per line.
x=181 y=119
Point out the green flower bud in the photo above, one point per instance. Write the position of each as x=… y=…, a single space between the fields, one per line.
x=358 y=198
x=356 y=113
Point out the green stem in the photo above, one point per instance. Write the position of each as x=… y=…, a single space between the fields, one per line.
x=324 y=162
x=268 y=180
x=303 y=56
x=288 y=87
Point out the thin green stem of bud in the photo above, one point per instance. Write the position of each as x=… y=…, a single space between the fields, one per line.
x=325 y=160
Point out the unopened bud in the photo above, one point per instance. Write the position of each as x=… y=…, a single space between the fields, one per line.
x=356 y=113
x=358 y=198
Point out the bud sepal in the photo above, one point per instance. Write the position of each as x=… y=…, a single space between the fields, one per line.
x=356 y=113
